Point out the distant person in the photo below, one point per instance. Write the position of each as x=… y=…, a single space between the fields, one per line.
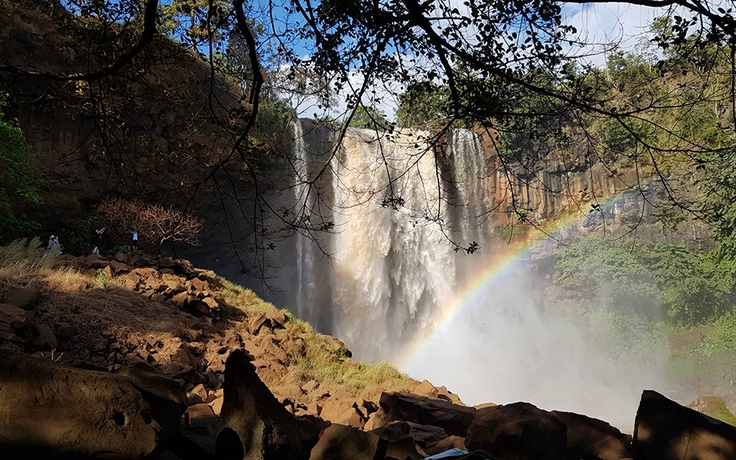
x=50 y=246
x=135 y=239
x=56 y=247
x=96 y=240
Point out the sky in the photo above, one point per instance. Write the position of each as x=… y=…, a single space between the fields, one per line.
x=596 y=23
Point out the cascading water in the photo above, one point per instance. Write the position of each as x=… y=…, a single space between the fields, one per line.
x=392 y=261
x=305 y=282
x=393 y=271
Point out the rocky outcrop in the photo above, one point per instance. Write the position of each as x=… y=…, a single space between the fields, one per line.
x=266 y=430
x=520 y=431
x=665 y=430
x=452 y=418
x=54 y=411
x=590 y=436
x=230 y=369
x=340 y=442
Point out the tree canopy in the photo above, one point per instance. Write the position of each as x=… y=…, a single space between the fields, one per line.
x=510 y=68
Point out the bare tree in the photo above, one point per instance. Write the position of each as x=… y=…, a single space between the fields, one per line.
x=155 y=222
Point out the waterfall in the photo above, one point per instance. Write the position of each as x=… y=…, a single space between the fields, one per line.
x=305 y=256
x=383 y=274
x=395 y=209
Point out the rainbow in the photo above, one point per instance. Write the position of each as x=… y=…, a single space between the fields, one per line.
x=473 y=289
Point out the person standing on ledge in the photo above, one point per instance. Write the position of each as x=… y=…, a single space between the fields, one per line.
x=135 y=239
x=96 y=240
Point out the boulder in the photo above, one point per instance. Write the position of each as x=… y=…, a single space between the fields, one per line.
x=447 y=395
x=334 y=408
x=713 y=406
x=118 y=267
x=63 y=412
x=25 y=298
x=426 y=389
x=520 y=431
x=424 y=436
x=340 y=442
x=155 y=383
x=665 y=430
x=271 y=318
x=454 y=419
x=338 y=346
x=91 y=260
x=372 y=393
x=593 y=437
x=265 y=428
x=45 y=337
x=12 y=315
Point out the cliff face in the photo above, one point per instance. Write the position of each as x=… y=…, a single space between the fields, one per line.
x=148 y=129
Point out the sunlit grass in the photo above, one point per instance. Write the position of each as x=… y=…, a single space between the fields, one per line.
x=22 y=257
x=66 y=280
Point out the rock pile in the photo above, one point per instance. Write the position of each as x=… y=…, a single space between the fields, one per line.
x=212 y=381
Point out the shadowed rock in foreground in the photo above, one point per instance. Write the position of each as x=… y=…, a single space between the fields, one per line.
x=52 y=411
x=665 y=430
x=266 y=429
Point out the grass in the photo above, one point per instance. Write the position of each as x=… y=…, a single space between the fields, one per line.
x=23 y=257
x=342 y=372
x=720 y=336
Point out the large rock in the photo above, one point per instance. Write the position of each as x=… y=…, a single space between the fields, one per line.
x=53 y=411
x=340 y=442
x=26 y=298
x=665 y=430
x=13 y=315
x=518 y=431
x=454 y=419
x=431 y=439
x=266 y=429
x=590 y=436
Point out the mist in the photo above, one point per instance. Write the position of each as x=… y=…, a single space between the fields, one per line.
x=502 y=348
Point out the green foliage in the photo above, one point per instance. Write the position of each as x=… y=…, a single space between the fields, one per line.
x=424 y=105
x=368 y=117
x=621 y=282
x=641 y=277
x=101 y=278
x=17 y=186
x=719 y=203
x=720 y=336
x=686 y=281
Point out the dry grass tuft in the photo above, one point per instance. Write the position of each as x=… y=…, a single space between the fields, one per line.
x=67 y=280
x=23 y=257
